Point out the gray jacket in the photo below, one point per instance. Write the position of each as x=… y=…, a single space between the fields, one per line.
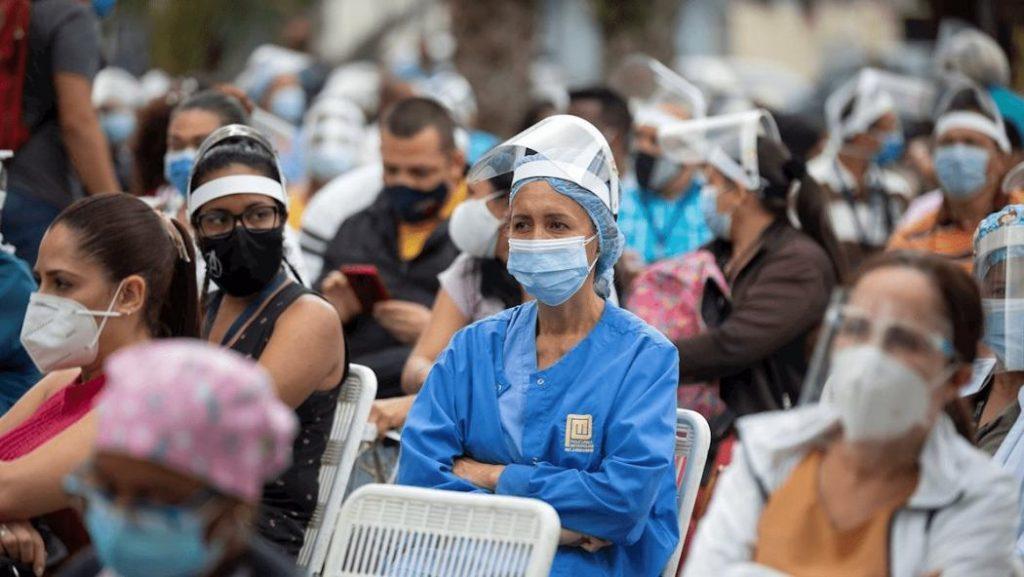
x=960 y=521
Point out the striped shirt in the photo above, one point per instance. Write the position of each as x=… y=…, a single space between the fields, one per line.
x=937 y=233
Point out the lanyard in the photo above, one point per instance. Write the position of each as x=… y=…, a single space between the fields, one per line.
x=661 y=236
x=874 y=192
x=250 y=309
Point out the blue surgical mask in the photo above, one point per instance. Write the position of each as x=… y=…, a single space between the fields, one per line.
x=328 y=162
x=719 y=224
x=154 y=542
x=118 y=126
x=1004 y=331
x=177 y=167
x=289 y=103
x=962 y=169
x=550 y=270
x=103 y=8
x=891 y=150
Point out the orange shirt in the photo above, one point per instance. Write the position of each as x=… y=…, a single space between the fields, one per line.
x=796 y=536
x=937 y=233
x=412 y=237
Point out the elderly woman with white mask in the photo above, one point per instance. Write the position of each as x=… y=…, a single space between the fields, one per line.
x=570 y=398
x=880 y=477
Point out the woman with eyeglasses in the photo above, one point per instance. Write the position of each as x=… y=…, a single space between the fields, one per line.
x=171 y=486
x=880 y=476
x=239 y=209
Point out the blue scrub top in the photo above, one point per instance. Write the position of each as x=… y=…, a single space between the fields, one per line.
x=597 y=440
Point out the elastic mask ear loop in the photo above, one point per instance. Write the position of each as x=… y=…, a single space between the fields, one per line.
x=597 y=257
x=106 y=315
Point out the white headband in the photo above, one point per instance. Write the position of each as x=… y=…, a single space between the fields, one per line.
x=973 y=121
x=570 y=172
x=238 y=184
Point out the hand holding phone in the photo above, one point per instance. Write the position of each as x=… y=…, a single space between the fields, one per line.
x=366 y=284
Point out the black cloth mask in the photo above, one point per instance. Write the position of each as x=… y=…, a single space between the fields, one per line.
x=415 y=205
x=244 y=262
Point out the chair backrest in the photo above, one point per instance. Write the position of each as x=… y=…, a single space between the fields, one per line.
x=391 y=530
x=354 y=400
x=693 y=440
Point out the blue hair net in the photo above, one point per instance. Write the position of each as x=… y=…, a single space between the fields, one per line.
x=609 y=237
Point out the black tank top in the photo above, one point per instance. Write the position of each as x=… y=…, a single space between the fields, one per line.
x=288 y=502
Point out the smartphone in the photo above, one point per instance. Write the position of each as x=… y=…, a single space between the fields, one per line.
x=367 y=284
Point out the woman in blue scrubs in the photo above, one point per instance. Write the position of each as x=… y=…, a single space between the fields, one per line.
x=567 y=399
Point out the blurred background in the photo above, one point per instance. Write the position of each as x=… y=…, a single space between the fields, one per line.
x=783 y=54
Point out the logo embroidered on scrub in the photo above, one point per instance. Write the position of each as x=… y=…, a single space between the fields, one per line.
x=579 y=433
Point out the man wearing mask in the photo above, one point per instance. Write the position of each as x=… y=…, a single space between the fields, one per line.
x=404 y=234
x=65 y=154
x=971 y=152
x=865 y=141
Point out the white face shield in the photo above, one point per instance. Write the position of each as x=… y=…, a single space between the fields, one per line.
x=454 y=92
x=957 y=110
x=653 y=88
x=573 y=149
x=727 y=142
x=1014 y=180
x=881 y=326
x=114 y=86
x=999 y=270
x=872 y=94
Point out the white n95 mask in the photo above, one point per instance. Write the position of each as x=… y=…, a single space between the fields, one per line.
x=473 y=228
x=876 y=396
x=60 y=333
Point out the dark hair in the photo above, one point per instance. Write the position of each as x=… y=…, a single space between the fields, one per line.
x=226 y=107
x=497 y=283
x=127 y=237
x=235 y=150
x=800 y=134
x=967 y=101
x=781 y=170
x=614 y=108
x=537 y=111
x=149 y=147
x=961 y=304
x=414 y=115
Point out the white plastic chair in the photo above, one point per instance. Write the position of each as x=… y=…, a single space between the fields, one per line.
x=693 y=440
x=354 y=400
x=391 y=530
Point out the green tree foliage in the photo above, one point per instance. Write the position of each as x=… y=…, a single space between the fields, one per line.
x=190 y=36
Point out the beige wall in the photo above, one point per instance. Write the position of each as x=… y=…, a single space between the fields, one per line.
x=780 y=31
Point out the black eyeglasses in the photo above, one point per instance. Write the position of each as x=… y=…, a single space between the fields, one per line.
x=219 y=223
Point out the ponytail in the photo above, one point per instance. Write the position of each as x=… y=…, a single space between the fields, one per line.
x=179 y=316
x=792 y=192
